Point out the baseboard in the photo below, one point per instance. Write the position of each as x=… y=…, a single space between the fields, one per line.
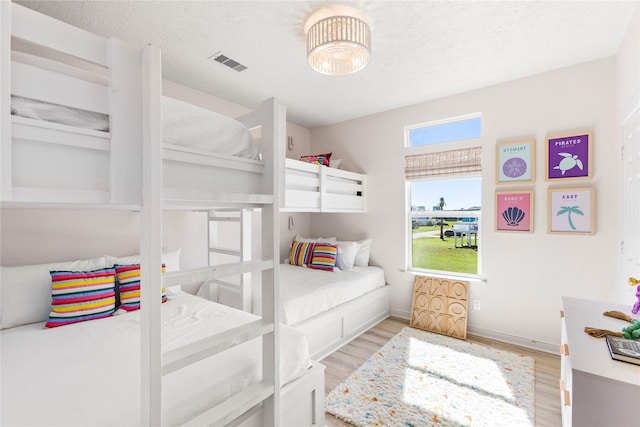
x=494 y=335
x=401 y=314
x=515 y=340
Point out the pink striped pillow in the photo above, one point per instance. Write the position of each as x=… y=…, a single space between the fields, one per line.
x=78 y=296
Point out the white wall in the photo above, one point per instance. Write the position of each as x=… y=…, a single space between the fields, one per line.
x=628 y=67
x=40 y=236
x=628 y=79
x=526 y=274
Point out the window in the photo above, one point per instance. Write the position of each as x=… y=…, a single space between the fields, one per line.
x=444 y=204
x=456 y=129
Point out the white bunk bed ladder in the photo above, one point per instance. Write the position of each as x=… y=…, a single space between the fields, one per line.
x=222 y=223
x=271 y=117
x=151 y=280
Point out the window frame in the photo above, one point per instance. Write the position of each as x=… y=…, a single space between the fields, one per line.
x=438 y=214
x=409 y=214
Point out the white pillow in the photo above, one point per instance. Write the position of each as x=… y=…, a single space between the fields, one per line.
x=332 y=240
x=362 y=258
x=347 y=254
x=335 y=163
x=170 y=259
x=26 y=290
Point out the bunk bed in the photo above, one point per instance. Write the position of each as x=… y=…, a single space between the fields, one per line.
x=109 y=156
x=310 y=187
x=331 y=307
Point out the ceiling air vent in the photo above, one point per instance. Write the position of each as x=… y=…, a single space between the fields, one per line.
x=235 y=65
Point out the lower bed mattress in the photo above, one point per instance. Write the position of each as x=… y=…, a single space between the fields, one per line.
x=306 y=292
x=88 y=373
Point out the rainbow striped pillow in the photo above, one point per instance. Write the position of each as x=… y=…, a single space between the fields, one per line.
x=78 y=296
x=324 y=256
x=128 y=285
x=301 y=253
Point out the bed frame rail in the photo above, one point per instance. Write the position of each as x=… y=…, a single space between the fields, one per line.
x=316 y=188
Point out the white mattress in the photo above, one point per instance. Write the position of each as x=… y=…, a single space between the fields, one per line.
x=305 y=292
x=88 y=373
x=55 y=113
x=193 y=127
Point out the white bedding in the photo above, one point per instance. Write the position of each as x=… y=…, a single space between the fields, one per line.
x=88 y=373
x=183 y=124
x=193 y=127
x=305 y=292
x=40 y=110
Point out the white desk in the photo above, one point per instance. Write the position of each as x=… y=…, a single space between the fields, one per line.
x=597 y=390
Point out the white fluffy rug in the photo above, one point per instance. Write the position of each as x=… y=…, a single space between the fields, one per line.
x=424 y=379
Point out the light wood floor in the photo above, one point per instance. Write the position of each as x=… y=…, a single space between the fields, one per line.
x=349 y=358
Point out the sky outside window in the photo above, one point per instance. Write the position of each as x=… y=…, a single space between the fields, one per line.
x=458 y=193
x=446 y=132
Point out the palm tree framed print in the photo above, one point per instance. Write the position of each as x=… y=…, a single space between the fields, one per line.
x=569 y=156
x=514 y=211
x=571 y=210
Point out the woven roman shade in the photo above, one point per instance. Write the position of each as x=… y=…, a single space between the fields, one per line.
x=453 y=163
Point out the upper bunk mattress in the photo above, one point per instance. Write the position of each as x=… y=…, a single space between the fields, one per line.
x=193 y=127
x=61 y=114
x=306 y=292
x=88 y=373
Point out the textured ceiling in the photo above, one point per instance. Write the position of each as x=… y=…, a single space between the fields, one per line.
x=421 y=50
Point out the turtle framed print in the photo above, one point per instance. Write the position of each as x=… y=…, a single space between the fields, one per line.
x=569 y=156
x=515 y=162
x=571 y=211
x=514 y=211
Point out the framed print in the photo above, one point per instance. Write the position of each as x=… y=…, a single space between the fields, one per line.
x=515 y=161
x=571 y=210
x=514 y=211
x=569 y=156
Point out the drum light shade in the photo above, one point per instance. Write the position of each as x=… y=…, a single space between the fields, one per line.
x=338 y=45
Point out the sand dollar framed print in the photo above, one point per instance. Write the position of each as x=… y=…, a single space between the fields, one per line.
x=515 y=162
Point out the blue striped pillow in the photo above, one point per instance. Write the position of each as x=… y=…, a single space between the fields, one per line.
x=324 y=256
x=301 y=253
x=78 y=296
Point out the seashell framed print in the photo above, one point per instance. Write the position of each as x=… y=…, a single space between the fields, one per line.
x=571 y=211
x=515 y=162
x=514 y=211
x=569 y=156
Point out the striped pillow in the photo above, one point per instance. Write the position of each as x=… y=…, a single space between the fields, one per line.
x=324 y=256
x=301 y=253
x=78 y=296
x=128 y=284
